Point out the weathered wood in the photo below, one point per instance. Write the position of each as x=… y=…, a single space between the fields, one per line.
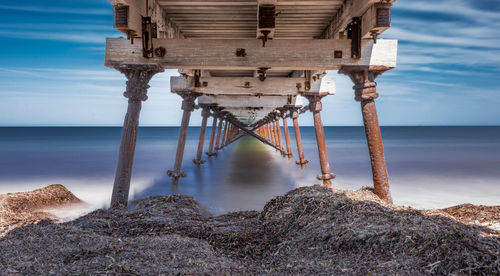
x=350 y=9
x=140 y=8
x=266 y=20
x=279 y=54
x=228 y=101
x=376 y=20
x=170 y=3
x=249 y=85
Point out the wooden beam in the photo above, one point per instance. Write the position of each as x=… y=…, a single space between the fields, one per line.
x=350 y=9
x=245 y=102
x=249 y=85
x=140 y=8
x=266 y=20
x=279 y=54
x=174 y=3
x=376 y=20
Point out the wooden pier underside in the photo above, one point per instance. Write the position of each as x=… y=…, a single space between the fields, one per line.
x=256 y=62
x=205 y=35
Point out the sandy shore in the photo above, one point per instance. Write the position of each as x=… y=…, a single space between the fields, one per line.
x=311 y=230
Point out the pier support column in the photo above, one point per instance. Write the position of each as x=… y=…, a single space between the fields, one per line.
x=210 y=151
x=219 y=130
x=205 y=113
x=315 y=107
x=278 y=129
x=226 y=123
x=187 y=107
x=295 y=116
x=267 y=132
x=365 y=89
x=287 y=135
x=138 y=77
x=273 y=132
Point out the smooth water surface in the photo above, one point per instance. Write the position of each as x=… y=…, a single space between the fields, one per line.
x=429 y=167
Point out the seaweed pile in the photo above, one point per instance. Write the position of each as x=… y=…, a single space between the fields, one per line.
x=18 y=209
x=310 y=230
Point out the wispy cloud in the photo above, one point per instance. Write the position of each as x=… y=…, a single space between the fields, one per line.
x=26 y=8
x=76 y=37
x=451 y=7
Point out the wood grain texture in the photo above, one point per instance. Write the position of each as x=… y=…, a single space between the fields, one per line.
x=282 y=54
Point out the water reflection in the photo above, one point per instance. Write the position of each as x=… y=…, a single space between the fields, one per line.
x=428 y=166
x=241 y=177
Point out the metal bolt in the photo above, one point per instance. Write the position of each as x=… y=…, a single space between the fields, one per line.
x=241 y=52
x=160 y=52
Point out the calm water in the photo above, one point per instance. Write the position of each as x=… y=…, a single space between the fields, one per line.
x=429 y=166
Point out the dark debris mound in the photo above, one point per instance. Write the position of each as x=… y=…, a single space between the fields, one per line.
x=17 y=209
x=309 y=230
x=469 y=213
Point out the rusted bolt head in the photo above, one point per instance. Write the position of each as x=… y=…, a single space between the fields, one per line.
x=205 y=84
x=247 y=84
x=241 y=52
x=160 y=52
x=338 y=54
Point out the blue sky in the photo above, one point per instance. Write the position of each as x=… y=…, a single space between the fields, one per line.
x=52 y=72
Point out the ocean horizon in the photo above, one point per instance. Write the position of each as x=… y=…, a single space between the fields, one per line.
x=429 y=166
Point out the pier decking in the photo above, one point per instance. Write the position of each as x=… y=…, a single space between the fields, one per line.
x=250 y=65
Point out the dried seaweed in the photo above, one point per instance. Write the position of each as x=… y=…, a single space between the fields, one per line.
x=310 y=230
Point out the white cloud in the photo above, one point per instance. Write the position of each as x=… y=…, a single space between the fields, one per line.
x=39 y=9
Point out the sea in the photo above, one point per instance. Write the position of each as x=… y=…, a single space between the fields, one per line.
x=429 y=167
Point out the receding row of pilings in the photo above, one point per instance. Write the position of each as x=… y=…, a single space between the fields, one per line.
x=267 y=130
x=226 y=129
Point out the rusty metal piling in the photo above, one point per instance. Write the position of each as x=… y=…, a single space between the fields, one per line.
x=187 y=107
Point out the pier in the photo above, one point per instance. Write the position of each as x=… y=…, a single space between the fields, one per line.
x=249 y=65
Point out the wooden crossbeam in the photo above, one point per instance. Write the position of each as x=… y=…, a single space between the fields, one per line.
x=228 y=101
x=136 y=9
x=173 y=3
x=266 y=19
x=282 y=54
x=249 y=85
x=350 y=9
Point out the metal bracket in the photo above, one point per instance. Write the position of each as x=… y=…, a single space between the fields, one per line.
x=197 y=76
x=262 y=73
x=354 y=33
x=307 y=82
x=149 y=31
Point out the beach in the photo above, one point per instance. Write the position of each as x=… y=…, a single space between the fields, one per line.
x=308 y=231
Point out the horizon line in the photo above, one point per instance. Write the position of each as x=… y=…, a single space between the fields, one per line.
x=158 y=126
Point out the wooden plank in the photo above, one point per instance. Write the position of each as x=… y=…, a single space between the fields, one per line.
x=249 y=85
x=279 y=54
x=266 y=19
x=231 y=101
x=171 y=3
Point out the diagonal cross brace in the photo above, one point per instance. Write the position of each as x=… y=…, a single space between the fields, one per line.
x=253 y=134
x=236 y=139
